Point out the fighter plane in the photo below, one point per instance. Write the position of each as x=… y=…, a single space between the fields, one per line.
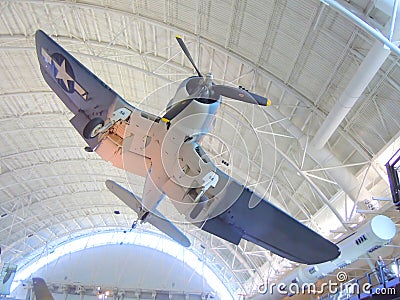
x=167 y=151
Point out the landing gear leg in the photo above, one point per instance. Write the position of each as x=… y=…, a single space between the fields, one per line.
x=96 y=125
x=141 y=218
x=134 y=224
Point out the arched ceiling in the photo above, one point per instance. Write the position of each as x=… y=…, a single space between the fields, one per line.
x=299 y=53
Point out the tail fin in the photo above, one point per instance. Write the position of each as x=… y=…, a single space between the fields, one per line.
x=41 y=290
x=7 y=274
x=155 y=218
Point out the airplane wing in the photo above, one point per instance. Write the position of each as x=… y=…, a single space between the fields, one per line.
x=81 y=91
x=264 y=224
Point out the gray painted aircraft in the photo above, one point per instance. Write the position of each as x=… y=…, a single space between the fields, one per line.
x=166 y=151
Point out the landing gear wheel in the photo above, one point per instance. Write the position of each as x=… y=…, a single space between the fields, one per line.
x=92 y=128
x=88 y=149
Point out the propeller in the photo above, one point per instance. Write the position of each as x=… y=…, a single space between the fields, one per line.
x=224 y=90
x=240 y=94
x=187 y=53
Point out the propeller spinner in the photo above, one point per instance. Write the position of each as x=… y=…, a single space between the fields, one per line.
x=217 y=90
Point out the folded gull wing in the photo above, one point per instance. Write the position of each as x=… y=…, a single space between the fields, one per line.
x=240 y=213
x=81 y=91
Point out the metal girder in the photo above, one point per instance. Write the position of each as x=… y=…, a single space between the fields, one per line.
x=306 y=39
x=158 y=24
x=104 y=59
x=84 y=174
x=43 y=202
x=30 y=93
x=55 y=216
x=79 y=232
x=216 y=250
x=324 y=199
x=265 y=73
x=322 y=196
x=336 y=167
x=39 y=150
x=61 y=160
x=62 y=238
x=49 y=188
x=122 y=292
x=371 y=30
x=169 y=27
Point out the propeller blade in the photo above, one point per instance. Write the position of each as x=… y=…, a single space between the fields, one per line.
x=187 y=53
x=240 y=94
x=260 y=99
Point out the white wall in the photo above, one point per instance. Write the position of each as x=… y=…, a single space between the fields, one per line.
x=122 y=266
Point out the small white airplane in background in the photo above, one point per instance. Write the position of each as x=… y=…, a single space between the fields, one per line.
x=166 y=151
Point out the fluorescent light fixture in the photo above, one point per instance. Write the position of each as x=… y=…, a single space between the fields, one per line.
x=339 y=235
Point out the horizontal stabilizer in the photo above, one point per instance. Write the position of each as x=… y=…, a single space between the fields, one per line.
x=155 y=218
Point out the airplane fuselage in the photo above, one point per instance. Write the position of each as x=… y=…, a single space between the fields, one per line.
x=150 y=146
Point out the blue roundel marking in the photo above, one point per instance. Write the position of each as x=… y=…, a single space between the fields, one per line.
x=63 y=73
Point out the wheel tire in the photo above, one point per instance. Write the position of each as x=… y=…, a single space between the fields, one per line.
x=91 y=129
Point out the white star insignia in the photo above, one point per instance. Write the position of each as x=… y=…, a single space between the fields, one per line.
x=62 y=73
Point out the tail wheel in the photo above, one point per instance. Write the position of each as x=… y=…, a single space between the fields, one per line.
x=134 y=224
x=92 y=128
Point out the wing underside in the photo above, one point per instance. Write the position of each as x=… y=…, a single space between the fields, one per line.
x=85 y=95
x=264 y=224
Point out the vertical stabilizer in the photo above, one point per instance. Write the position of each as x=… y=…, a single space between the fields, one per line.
x=41 y=290
x=7 y=273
